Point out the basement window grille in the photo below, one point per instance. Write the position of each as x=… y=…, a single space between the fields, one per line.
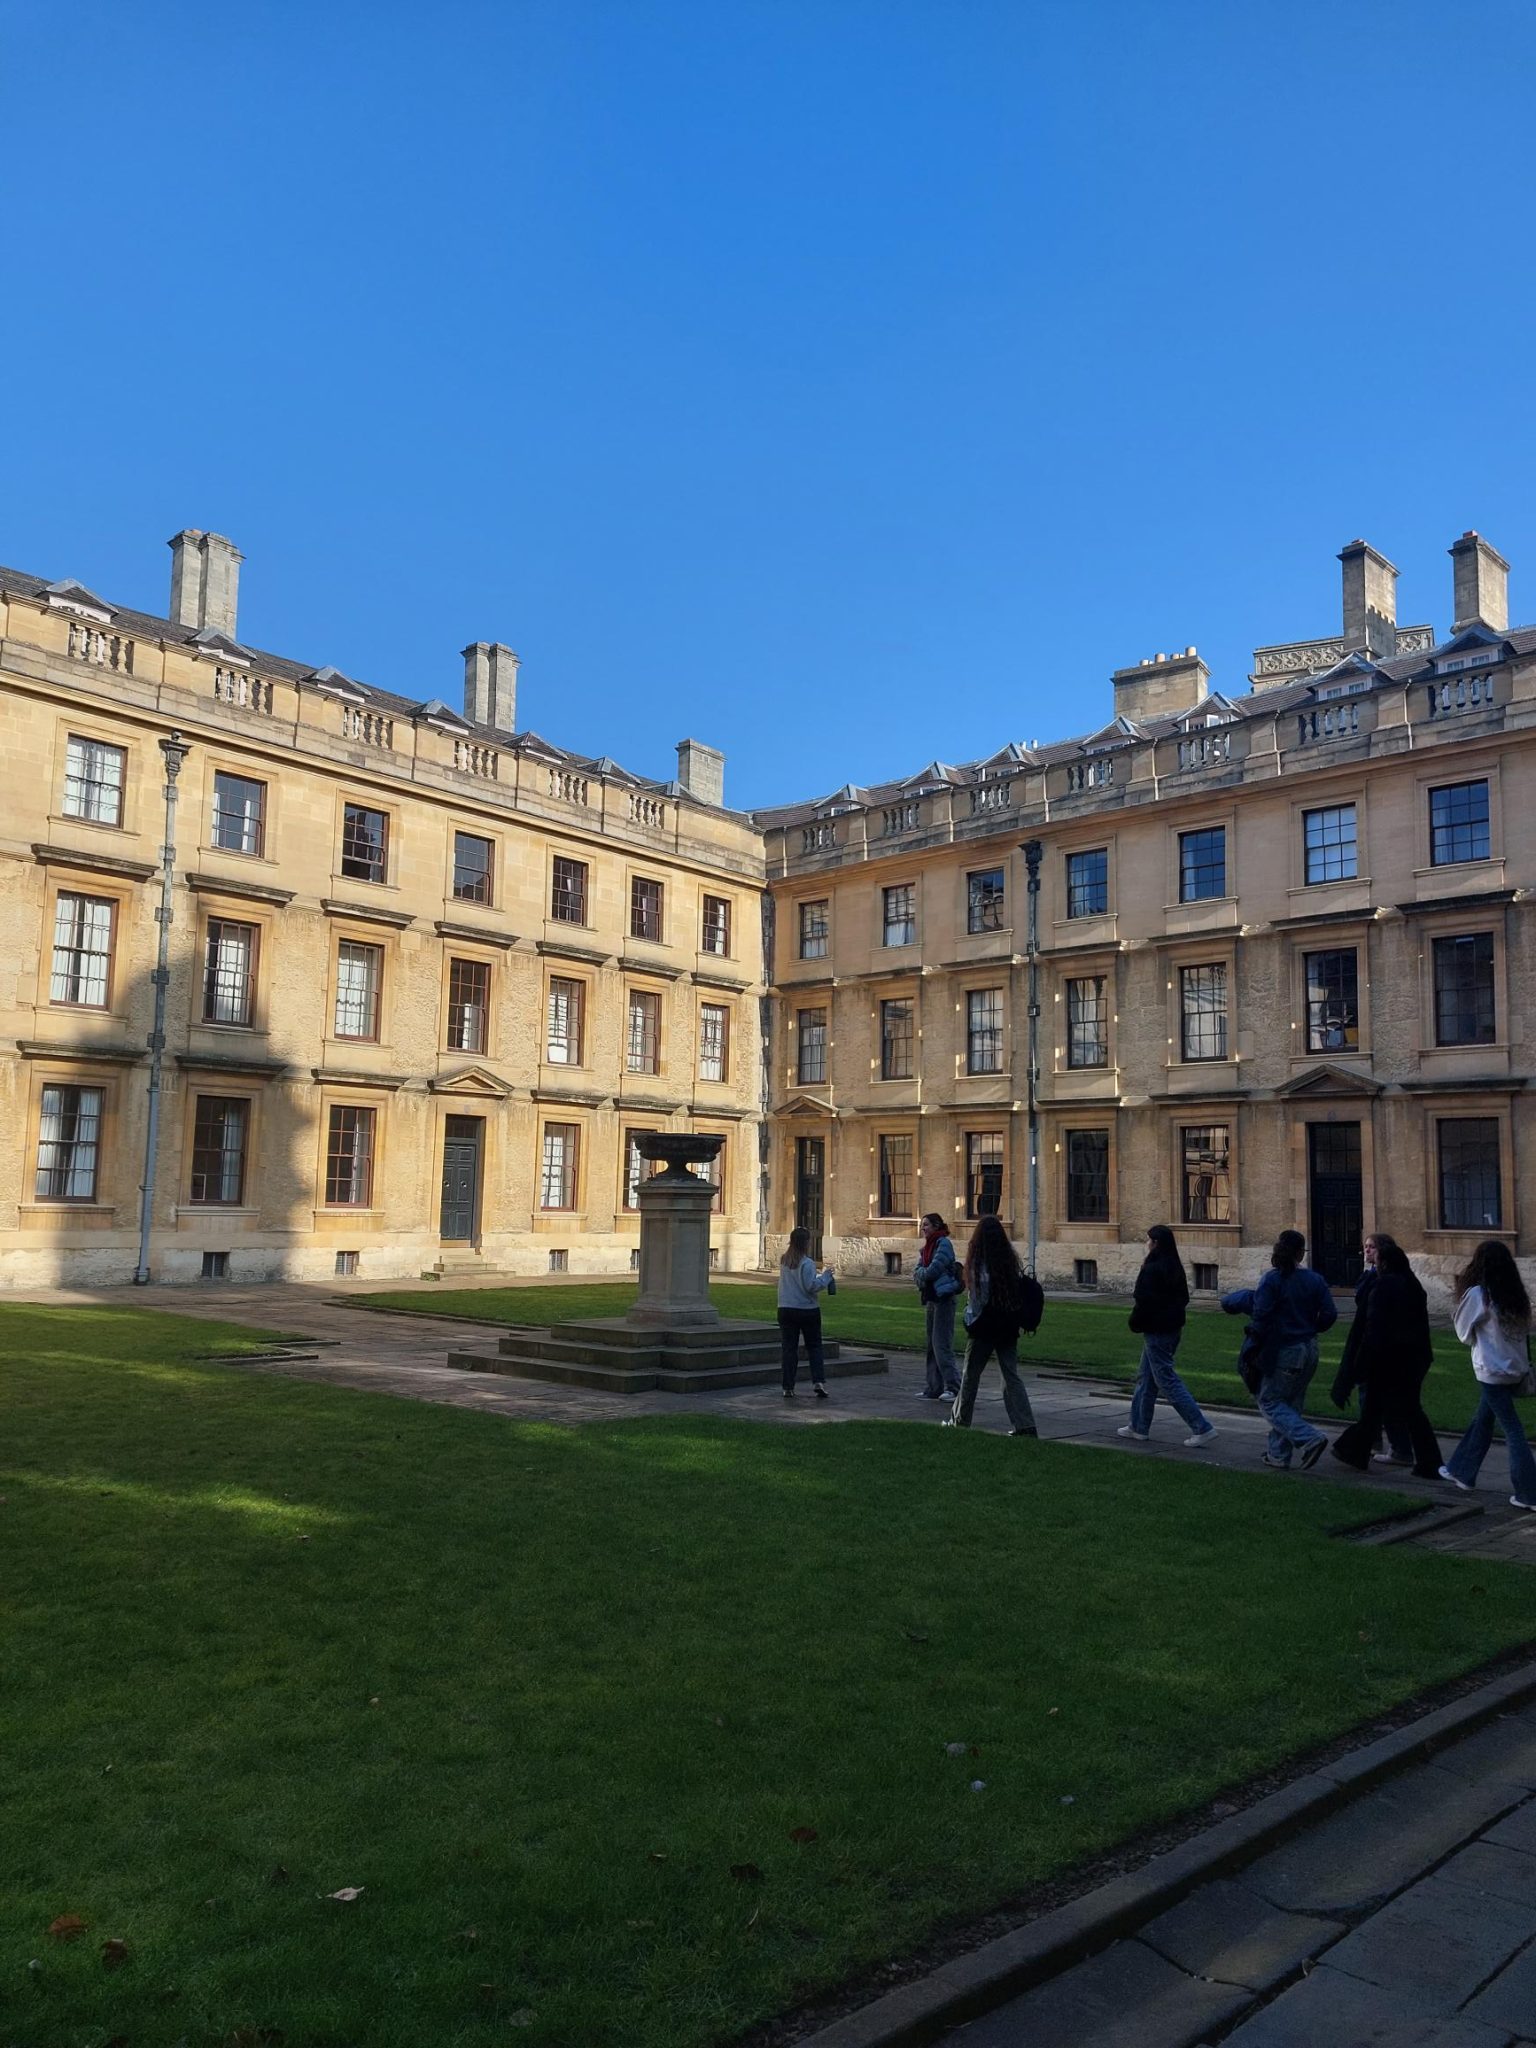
x=215 y=1265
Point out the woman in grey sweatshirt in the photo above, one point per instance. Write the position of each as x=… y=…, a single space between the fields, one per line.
x=800 y=1314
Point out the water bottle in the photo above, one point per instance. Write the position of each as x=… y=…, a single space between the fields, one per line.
x=831 y=1281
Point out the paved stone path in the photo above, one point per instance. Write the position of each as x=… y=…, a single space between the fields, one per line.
x=405 y=1355
x=1406 y=1920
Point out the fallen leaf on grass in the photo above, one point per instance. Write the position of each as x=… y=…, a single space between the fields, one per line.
x=746 y=1873
x=114 y=1954
x=467 y=1937
x=68 y=1927
x=523 y=2017
x=978 y=1784
x=348 y=1893
x=277 y=1875
x=915 y=1635
x=955 y=1748
x=802 y=1834
x=656 y=1856
x=1069 y=1799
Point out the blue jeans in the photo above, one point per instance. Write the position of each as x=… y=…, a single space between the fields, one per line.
x=1280 y=1398
x=943 y=1374
x=1157 y=1376
x=986 y=1339
x=1496 y=1406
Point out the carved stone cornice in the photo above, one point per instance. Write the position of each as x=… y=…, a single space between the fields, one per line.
x=236 y=885
x=92 y=862
x=474 y=934
x=366 y=913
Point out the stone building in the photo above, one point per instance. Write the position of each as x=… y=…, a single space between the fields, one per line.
x=1286 y=963
x=427 y=976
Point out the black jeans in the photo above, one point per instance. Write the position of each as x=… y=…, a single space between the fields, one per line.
x=795 y=1323
x=1395 y=1405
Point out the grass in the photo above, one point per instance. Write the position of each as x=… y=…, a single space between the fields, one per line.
x=1088 y=1337
x=554 y=1697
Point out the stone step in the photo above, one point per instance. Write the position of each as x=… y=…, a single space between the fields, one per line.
x=560 y=1347
x=660 y=1378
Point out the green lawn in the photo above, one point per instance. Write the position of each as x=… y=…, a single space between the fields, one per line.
x=563 y=1702
x=1087 y=1336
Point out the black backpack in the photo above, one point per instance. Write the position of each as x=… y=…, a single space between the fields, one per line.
x=1031 y=1304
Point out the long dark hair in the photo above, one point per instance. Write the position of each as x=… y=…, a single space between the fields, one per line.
x=1491 y=1268
x=990 y=1251
x=1289 y=1246
x=798 y=1248
x=1165 y=1248
x=1390 y=1256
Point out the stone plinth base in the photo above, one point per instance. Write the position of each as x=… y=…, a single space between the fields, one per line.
x=617 y=1357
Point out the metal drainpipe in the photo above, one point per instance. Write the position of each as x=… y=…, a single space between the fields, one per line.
x=175 y=750
x=1032 y=851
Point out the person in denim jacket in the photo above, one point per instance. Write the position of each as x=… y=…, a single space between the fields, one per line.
x=1287 y=1313
x=938 y=1282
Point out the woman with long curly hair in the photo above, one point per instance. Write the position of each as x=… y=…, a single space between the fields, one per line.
x=1001 y=1298
x=1493 y=1319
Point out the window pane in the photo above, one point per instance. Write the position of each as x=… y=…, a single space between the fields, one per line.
x=985 y=893
x=1203 y=995
x=1458 y=823
x=1088 y=883
x=93 y=781
x=896 y=1041
x=714 y=1033
x=813 y=930
x=645 y=909
x=1202 y=864
x=1464 y=1009
x=896 y=1182
x=358 y=974
x=812 y=1063
x=349 y=1157
x=471 y=868
x=69 y=1140
x=364 y=843
x=983 y=1173
x=717 y=925
x=1087 y=1176
x=1331 y=852
x=557 y=1172
x=984 y=1031
x=643 y=1050
x=218 y=1150
x=239 y=814
x=1087 y=1022
x=1207 y=1180
x=636 y=1169
x=82 y=951
x=1333 y=1002
x=568 y=891
x=469 y=1002
x=566 y=1004
x=1470 y=1195
x=901 y=915
x=229 y=972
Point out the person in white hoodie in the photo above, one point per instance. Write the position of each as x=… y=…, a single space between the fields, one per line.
x=1493 y=1317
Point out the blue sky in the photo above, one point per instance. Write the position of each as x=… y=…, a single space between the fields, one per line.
x=845 y=383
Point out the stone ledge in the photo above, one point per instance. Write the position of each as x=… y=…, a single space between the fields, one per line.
x=93 y=863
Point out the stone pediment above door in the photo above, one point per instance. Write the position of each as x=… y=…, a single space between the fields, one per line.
x=475 y=1082
x=1324 y=1081
x=805 y=1105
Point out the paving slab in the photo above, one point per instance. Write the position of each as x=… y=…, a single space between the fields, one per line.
x=1503 y=1752
x=1491 y=1867
x=1439 y=1940
x=1228 y=1933
x=1329 y=2010
x=1126 y=1998
x=1377 y=1844
x=1510 y=2000
x=1517 y=1830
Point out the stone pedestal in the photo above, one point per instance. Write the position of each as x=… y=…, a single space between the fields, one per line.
x=674 y=1235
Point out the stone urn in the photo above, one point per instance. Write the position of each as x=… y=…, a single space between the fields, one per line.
x=674 y=1232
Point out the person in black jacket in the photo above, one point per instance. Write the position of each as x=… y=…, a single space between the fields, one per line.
x=1157 y=1316
x=1394 y=1355
x=1351 y=1370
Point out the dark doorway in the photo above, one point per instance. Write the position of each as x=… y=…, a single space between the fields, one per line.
x=810 y=1188
x=1338 y=1213
x=462 y=1146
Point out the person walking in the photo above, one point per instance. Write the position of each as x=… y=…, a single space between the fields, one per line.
x=938 y=1282
x=1391 y=1360
x=1493 y=1318
x=800 y=1314
x=1288 y=1311
x=1157 y=1317
x=1001 y=1299
x=1399 y=1450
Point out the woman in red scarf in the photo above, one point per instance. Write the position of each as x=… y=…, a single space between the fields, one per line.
x=938 y=1284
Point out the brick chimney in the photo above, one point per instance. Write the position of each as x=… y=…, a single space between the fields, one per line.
x=1162 y=686
x=490 y=685
x=701 y=771
x=1481 y=582
x=1370 y=602
x=205 y=581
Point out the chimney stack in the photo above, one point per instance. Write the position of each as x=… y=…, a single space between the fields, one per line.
x=701 y=771
x=1162 y=686
x=1370 y=602
x=490 y=685
x=205 y=581
x=1481 y=582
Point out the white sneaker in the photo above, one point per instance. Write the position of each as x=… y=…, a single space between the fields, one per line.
x=1447 y=1473
x=1201 y=1436
x=1516 y=1502
x=1141 y=1435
